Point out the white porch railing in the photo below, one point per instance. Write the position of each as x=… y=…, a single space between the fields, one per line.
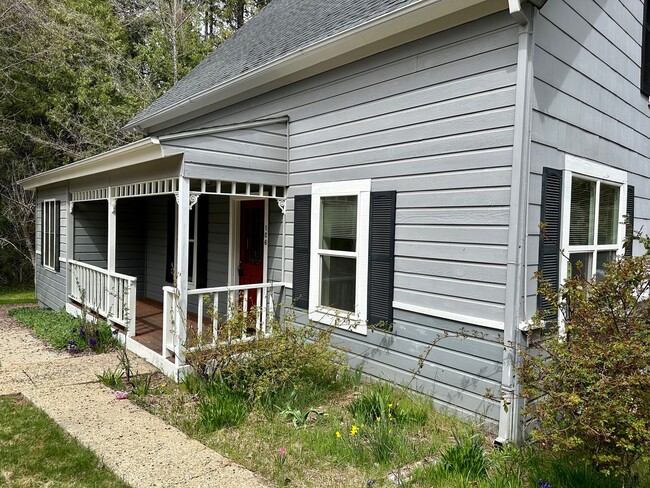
x=227 y=298
x=111 y=295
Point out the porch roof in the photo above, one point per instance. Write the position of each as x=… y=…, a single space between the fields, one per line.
x=141 y=151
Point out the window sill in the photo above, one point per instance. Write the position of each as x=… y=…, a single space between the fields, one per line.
x=339 y=319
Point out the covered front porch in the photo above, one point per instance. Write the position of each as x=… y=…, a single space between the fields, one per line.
x=167 y=242
x=169 y=259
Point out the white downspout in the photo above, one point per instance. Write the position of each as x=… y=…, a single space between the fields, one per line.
x=510 y=416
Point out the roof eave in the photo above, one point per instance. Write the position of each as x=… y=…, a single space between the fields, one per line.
x=137 y=152
x=402 y=25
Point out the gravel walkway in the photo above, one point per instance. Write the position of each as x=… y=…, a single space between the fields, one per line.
x=137 y=446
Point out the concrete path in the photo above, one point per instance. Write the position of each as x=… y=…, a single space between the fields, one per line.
x=139 y=447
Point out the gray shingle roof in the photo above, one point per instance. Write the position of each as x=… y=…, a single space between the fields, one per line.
x=281 y=28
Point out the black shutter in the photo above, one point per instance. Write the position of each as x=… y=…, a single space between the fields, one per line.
x=381 y=257
x=301 y=250
x=202 y=208
x=645 y=51
x=171 y=237
x=42 y=233
x=57 y=234
x=549 y=242
x=629 y=221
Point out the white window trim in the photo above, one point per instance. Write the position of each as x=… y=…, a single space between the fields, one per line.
x=589 y=170
x=55 y=231
x=356 y=321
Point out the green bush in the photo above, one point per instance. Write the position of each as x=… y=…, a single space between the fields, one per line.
x=291 y=364
x=588 y=390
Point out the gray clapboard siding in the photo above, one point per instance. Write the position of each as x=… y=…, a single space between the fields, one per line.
x=91 y=233
x=245 y=155
x=457 y=372
x=156 y=247
x=432 y=119
x=218 y=239
x=131 y=240
x=51 y=286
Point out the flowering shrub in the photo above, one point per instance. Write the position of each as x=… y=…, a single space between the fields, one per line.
x=589 y=389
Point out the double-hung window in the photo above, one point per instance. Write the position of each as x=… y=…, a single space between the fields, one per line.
x=49 y=234
x=584 y=209
x=339 y=253
x=593 y=229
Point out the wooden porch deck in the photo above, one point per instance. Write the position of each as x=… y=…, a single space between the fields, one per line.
x=149 y=323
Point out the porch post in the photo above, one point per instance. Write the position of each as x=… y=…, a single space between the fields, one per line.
x=111 y=299
x=183 y=201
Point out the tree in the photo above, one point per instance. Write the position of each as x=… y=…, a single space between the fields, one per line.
x=73 y=72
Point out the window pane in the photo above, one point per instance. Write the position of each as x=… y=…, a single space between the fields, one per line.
x=583 y=206
x=46 y=234
x=190 y=261
x=602 y=258
x=339 y=223
x=608 y=214
x=338 y=287
x=192 y=221
x=579 y=264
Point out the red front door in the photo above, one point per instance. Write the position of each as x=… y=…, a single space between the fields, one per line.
x=251 y=246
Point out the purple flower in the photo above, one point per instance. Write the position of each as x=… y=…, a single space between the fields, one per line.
x=282 y=451
x=73 y=350
x=121 y=395
x=72 y=343
x=543 y=483
x=92 y=342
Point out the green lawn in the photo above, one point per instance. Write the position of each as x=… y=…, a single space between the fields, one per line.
x=15 y=296
x=36 y=452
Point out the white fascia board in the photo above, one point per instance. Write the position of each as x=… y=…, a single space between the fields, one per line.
x=137 y=152
x=416 y=20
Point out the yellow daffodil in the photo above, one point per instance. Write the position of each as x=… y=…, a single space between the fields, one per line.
x=354 y=430
x=378 y=419
x=338 y=434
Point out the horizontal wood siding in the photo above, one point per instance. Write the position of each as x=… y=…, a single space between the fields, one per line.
x=257 y=155
x=275 y=243
x=91 y=233
x=218 y=239
x=51 y=286
x=433 y=120
x=587 y=101
x=156 y=246
x=131 y=240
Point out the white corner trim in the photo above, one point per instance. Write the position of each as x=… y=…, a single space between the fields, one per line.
x=456 y=317
x=593 y=169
